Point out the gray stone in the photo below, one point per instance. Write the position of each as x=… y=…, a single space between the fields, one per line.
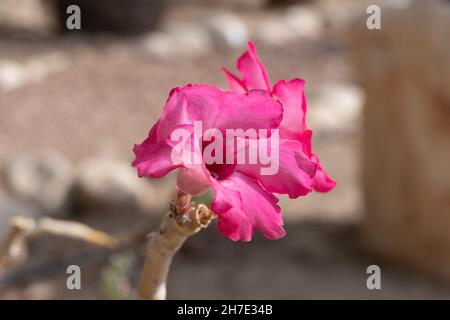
x=297 y=22
x=43 y=180
x=178 y=41
x=27 y=15
x=226 y=29
x=335 y=107
x=111 y=184
x=11 y=75
x=14 y=74
x=304 y=21
x=274 y=32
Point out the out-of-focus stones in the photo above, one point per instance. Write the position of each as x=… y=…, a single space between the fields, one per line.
x=306 y=22
x=16 y=74
x=26 y=15
x=44 y=181
x=47 y=184
x=226 y=29
x=108 y=184
x=297 y=22
x=178 y=41
x=220 y=30
x=11 y=75
x=336 y=107
x=274 y=32
x=280 y=3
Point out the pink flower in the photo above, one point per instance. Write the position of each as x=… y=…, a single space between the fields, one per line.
x=244 y=198
x=291 y=95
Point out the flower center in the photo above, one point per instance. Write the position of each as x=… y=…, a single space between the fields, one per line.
x=220 y=171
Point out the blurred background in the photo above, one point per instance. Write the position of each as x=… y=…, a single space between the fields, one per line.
x=73 y=103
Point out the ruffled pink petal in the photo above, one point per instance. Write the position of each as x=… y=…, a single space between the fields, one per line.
x=214 y=108
x=174 y=114
x=234 y=83
x=243 y=206
x=252 y=69
x=292 y=97
x=192 y=181
x=153 y=158
x=231 y=110
x=306 y=140
x=295 y=170
x=322 y=181
x=193 y=177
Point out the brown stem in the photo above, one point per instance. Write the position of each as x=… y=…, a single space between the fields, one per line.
x=181 y=222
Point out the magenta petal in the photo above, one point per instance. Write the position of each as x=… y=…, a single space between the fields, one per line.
x=153 y=158
x=252 y=70
x=243 y=193
x=306 y=140
x=292 y=97
x=153 y=155
x=174 y=114
x=322 y=182
x=193 y=177
x=234 y=83
x=214 y=108
x=231 y=110
x=192 y=181
x=243 y=206
x=295 y=171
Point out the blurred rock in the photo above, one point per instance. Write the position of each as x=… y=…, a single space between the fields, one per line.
x=340 y=14
x=297 y=22
x=33 y=16
x=107 y=184
x=178 y=41
x=45 y=64
x=11 y=75
x=14 y=74
x=44 y=181
x=405 y=70
x=281 y=3
x=335 y=107
x=274 y=32
x=39 y=290
x=306 y=22
x=227 y=30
